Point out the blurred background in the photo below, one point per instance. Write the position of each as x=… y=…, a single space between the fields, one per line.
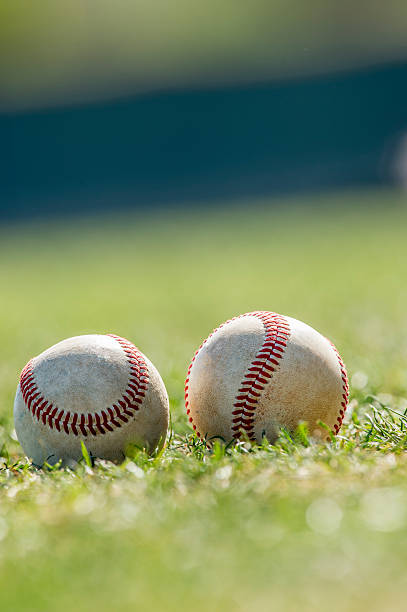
x=132 y=104
x=165 y=166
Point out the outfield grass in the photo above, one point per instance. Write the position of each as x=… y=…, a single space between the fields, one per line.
x=294 y=526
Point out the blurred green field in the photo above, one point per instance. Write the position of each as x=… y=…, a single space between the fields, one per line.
x=103 y=49
x=286 y=527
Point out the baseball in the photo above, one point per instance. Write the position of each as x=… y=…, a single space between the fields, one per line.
x=262 y=371
x=99 y=389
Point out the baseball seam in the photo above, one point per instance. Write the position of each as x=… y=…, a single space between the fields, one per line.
x=345 y=390
x=258 y=374
x=107 y=419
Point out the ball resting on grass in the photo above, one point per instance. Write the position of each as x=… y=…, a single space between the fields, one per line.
x=99 y=390
x=262 y=371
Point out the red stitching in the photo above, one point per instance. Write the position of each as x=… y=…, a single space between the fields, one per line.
x=115 y=416
x=345 y=390
x=260 y=371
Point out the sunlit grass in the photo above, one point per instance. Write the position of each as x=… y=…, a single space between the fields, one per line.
x=295 y=526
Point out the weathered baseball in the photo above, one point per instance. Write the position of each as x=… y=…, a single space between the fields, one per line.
x=262 y=371
x=97 y=389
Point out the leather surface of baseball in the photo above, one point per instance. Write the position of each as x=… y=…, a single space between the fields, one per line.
x=99 y=389
x=262 y=371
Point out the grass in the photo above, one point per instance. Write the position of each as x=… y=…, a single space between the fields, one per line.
x=285 y=527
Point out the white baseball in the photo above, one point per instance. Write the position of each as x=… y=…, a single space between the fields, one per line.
x=99 y=389
x=262 y=371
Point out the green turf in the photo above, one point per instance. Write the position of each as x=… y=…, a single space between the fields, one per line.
x=290 y=527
